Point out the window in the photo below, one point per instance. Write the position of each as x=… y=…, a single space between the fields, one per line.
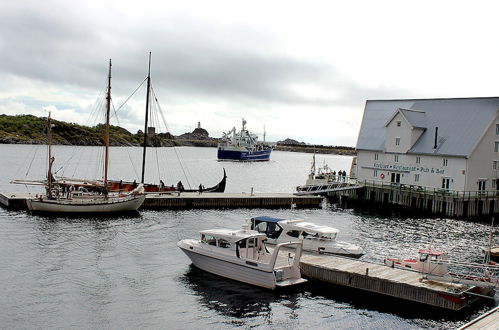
x=376 y=157
x=293 y=233
x=445 y=162
x=208 y=239
x=496 y=146
x=494 y=165
x=397 y=141
x=497 y=129
x=375 y=174
x=481 y=185
x=396 y=158
x=223 y=243
x=418 y=160
x=416 y=177
x=399 y=123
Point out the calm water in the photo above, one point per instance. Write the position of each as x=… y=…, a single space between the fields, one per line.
x=81 y=272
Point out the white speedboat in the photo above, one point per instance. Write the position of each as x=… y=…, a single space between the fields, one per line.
x=321 y=239
x=242 y=255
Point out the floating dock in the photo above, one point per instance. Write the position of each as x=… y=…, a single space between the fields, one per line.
x=17 y=201
x=381 y=279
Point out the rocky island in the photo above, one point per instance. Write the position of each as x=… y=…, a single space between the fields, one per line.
x=28 y=129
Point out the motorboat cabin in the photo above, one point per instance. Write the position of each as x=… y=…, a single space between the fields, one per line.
x=428 y=262
x=242 y=255
x=316 y=238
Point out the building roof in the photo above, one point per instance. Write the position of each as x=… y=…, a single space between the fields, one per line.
x=461 y=123
x=416 y=118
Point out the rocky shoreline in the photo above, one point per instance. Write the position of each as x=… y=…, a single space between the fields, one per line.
x=27 y=129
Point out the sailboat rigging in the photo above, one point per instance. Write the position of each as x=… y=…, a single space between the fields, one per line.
x=159 y=188
x=76 y=196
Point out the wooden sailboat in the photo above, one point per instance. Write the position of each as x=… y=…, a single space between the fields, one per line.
x=85 y=197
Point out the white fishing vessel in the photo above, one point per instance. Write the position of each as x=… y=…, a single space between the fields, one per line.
x=242 y=255
x=321 y=239
x=77 y=196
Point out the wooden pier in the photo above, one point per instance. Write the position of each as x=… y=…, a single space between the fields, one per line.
x=381 y=279
x=17 y=201
x=424 y=199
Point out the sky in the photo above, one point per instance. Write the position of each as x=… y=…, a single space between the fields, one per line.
x=298 y=69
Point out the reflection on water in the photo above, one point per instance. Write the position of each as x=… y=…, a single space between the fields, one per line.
x=127 y=272
x=227 y=297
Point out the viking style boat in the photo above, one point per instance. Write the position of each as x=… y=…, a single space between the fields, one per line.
x=126 y=186
x=242 y=255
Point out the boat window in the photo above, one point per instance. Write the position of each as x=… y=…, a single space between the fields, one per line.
x=273 y=230
x=208 y=239
x=223 y=243
x=423 y=257
x=434 y=258
x=261 y=227
x=251 y=242
x=293 y=233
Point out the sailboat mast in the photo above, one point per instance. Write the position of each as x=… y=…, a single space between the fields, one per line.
x=146 y=120
x=50 y=161
x=106 y=127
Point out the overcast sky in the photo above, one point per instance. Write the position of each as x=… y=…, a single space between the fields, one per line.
x=302 y=69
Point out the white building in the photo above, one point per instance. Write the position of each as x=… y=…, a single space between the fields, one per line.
x=450 y=144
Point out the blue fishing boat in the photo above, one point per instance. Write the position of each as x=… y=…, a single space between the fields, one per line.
x=243 y=146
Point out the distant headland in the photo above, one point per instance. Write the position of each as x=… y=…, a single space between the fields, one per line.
x=28 y=129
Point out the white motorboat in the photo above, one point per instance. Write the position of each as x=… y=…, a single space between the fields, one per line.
x=242 y=255
x=321 y=239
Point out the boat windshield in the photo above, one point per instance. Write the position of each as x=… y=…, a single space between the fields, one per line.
x=320 y=236
x=271 y=229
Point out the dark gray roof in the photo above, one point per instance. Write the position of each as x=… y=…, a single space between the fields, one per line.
x=461 y=123
x=415 y=117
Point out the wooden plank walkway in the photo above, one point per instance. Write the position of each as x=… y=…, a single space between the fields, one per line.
x=381 y=279
x=17 y=201
x=489 y=320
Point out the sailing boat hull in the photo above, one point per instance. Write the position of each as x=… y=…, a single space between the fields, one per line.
x=93 y=205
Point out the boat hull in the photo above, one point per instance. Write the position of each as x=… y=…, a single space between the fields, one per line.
x=244 y=155
x=232 y=270
x=112 y=205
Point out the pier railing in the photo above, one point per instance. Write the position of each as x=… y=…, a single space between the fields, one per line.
x=417 y=189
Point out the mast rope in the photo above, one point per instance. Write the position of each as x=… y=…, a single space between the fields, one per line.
x=182 y=167
x=31 y=163
x=136 y=89
x=118 y=121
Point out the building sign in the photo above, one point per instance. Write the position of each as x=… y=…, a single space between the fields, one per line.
x=409 y=169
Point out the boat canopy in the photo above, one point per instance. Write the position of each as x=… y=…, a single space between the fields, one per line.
x=267 y=219
x=298 y=224
x=301 y=225
x=233 y=235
